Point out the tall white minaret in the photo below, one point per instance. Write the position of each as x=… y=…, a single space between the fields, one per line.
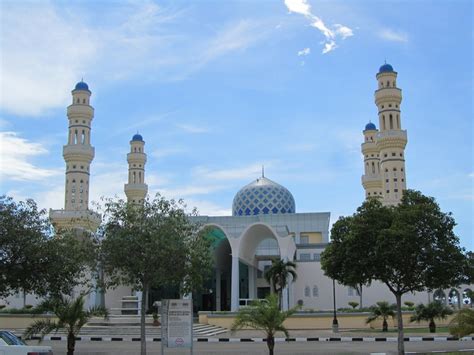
x=371 y=179
x=391 y=139
x=136 y=189
x=78 y=154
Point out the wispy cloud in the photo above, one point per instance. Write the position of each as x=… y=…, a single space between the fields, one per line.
x=15 y=156
x=240 y=173
x=189 y=128
x=393 y=36
x=304 y=52
x=166 y=152
x=144 y=122
x=330 y=34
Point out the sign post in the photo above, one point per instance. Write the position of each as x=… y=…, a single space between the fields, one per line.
x=177 y=324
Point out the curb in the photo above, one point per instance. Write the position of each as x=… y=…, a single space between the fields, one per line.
x=260 y=340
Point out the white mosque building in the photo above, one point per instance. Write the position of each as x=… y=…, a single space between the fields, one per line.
x=264 y=224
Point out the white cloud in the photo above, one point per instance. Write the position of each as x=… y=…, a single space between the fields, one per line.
x=330 y=34
x=191 y=190
x=242 y=173
x=394 y=36
x=15 y=153
x=206 y=208
x=40 y=67
x=189 y=128
x=166 y=152
x=304 y=51
x=471 y=175
x=343 y=31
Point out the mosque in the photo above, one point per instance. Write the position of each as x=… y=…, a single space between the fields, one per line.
x=264 y=224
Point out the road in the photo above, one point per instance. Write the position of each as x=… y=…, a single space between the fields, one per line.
x=294 y=348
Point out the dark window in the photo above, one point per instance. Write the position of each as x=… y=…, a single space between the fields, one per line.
x=388 y=191
x=394 y=169
x=395 y=179
x=385 y=155
x=396 y=190
x=386 y=180
x=394 y=154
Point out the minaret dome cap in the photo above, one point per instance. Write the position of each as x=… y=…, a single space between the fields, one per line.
x=137 y=137
x=386 y=68
x=82 y=86
x=370 y=127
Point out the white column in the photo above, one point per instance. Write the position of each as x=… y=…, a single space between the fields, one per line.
x=252 y=283
x=234 y=304
x=291 y=301
x=285 y=299
x=139 y=294
x=218 y=290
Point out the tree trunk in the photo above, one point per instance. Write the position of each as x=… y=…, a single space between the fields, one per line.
x=71 y=343
x=432 y=326
x=270 y=344
x=142 y=322
x=384 y=325
x=401 y=344
x=360 y=296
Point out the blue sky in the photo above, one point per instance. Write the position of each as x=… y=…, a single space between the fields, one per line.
x=218 y=88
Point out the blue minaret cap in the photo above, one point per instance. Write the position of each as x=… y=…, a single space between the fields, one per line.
x=137 y=137
x=81 y=86
x=386 y=68
x=370 y=127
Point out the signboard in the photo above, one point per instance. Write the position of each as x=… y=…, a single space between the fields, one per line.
x=177 y=324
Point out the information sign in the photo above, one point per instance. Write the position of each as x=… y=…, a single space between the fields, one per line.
x=177 y=323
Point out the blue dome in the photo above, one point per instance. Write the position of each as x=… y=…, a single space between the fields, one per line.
x=386 y=68
x=263 y=196
x=370 y=127
x=137 y=137
x=81 y=86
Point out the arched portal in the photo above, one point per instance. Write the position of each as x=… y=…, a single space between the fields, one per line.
x=453 y=298
x=439 y=296
x=216 y=292
x=467 y=297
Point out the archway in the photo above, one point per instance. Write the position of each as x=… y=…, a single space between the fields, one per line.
x=467 y=297
x=439 y=296
x=215 y=294
x=453 y=298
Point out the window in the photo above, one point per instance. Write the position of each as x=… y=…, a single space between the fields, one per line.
x=307 y=291
x=315 y=291
x=391 y=121
x=396 y=190
x=386 y=180
x=394 y=154
x=83 y=101
x=382 y=106
x=403 y=179
x=305 y=257
x=373 y=168
x=304 y=239
x=368 y=193
x=389 y=105
x=388 y=191
x=394 y=169
x=317 y=257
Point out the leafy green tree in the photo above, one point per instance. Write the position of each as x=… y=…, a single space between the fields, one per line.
x=463 y=323
x=382 y=310
x=71 y=317
x=266 y=316
x=410 y=305
x=410 y=247
x=278 y=275
x=32 y=259
x=154 y=244
x=434 y=310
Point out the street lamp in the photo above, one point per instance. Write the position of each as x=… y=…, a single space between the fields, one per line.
x=335 y=324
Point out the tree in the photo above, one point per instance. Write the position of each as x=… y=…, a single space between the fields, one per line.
x=353 y=304
x=71 y=317
x=278 y=274
x=434 y=310
x=32 y=259
x=264 y=315
x=463 y=323
x=153 y=244
x=382 y=310
x=410 y=247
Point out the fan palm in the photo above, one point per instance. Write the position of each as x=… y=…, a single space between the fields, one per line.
x=278 y=275
x=382 y=310
x=463 y=323
x=434 y=310
x=266 y=316
x=71 y=317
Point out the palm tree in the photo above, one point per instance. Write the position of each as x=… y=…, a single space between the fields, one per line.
x=382 y=310
x=434 y=310
x=71 y=317
x=278 y=274
x=463 y=323
x=264 y=315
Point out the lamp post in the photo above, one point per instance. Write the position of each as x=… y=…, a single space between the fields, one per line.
x=335 y=324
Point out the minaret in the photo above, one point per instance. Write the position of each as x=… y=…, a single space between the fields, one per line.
x=78 y=154
x=371 y=179
x=136 y=189
x=391 y=139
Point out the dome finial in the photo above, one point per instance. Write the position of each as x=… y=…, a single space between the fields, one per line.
x=263 y=170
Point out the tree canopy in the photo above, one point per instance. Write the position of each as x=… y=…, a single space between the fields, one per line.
x=32 y=259
x=409 y=247
x=153 y=244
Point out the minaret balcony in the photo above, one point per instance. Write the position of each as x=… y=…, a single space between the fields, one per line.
x=392 y=139
x=65 y=219
x=78 y=152
x=369 y=181
x=136 y=187
x=388 y=94
x=80 y=111
x=369 y=147
x=136 y=157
